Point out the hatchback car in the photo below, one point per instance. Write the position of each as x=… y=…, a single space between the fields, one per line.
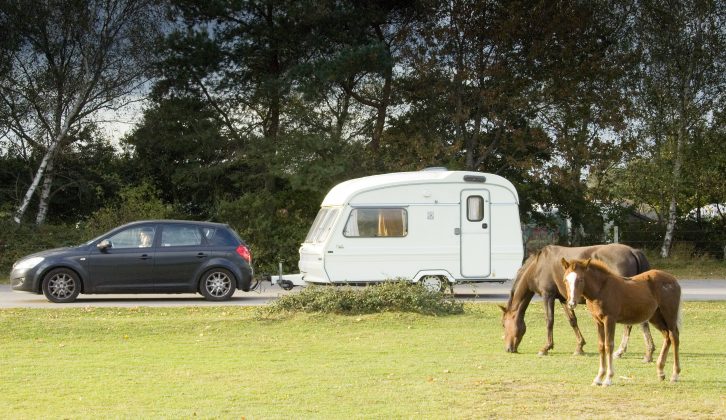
x=152 y=256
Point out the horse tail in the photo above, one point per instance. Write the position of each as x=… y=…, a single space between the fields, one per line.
x=641 y=261
x=679 y=319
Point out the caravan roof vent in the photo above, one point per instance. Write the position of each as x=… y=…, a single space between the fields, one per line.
x=475 y=178
x=435 y=168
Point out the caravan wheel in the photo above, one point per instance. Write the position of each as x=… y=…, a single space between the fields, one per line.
x=434 y=283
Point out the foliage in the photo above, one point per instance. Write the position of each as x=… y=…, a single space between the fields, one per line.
x=133 y=203
x=392 y=296
x=17 y=241
x=273 y=225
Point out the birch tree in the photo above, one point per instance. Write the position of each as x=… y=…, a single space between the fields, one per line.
x=683 y=82
x=74 y=61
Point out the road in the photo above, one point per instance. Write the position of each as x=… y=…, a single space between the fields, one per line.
x=693 y=290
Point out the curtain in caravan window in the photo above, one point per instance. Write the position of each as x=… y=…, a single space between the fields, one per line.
x=376 y=222
x=392 y=222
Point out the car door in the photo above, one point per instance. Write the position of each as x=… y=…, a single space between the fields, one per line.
x=127 y=265
x=181 y=254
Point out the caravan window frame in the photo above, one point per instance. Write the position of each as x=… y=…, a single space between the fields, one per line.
x=322 y=225
x=379 y=209
x=475 y=208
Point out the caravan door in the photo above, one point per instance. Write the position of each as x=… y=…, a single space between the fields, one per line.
x=475 y=234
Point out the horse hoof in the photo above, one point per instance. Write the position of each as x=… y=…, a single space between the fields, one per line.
x=542 y=353
x=674 y=379
x=618 y=354
x=647 y=359
x=661 y=377
x=578 y=353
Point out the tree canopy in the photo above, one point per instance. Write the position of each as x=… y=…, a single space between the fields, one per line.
x=253 y=109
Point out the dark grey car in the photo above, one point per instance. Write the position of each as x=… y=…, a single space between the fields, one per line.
x=151 y=256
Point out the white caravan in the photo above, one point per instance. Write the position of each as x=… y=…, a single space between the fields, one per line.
x=432 y=226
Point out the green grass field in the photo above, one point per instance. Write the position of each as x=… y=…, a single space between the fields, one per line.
x=227 y=362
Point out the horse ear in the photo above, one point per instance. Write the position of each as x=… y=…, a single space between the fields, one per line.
x=565 y=264
x=587 y=263
x=502 y=308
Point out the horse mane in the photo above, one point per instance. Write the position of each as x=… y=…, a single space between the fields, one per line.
x=528 y=263
x=598 y=265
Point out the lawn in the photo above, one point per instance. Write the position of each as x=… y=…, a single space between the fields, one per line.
x=231 y=362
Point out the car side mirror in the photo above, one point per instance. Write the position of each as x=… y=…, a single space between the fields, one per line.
x=104 y=245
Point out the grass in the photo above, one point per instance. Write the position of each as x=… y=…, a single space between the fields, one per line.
x=229 y=362
x=690 y=267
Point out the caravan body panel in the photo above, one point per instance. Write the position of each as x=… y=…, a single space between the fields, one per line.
x=411 y=224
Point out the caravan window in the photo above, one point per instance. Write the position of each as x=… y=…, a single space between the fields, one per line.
x=475 y=208
x=322 y=225
x=375 y=222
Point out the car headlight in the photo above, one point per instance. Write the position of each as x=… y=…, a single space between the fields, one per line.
x=28 y=263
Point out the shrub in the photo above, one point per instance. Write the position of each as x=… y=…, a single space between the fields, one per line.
x=393 y=296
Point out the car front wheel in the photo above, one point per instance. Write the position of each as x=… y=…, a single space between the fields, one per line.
x=217 y=284
x=61 y=285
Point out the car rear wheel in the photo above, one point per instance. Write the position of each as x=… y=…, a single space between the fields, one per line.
x=217 y=284
x=61 y=285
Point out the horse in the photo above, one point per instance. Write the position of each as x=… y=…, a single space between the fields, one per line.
x=540 y=274
x=653 y=296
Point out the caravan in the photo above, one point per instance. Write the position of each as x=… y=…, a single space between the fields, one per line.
x=433 y=226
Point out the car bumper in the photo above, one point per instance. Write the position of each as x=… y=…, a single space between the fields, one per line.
x=246 y=274
x=24 y=280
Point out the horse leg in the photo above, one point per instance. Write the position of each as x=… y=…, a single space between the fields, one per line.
x=609 y=345
x=624 y=342
x=674 y=336
x=658 y=321
x=573 y=323
x=649 y=344
x=601 y=349
x=549 y=310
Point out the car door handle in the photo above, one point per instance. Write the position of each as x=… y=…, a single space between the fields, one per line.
x=145 y=257
x=201 y=255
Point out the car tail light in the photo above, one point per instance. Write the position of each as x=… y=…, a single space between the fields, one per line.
x=244 y=252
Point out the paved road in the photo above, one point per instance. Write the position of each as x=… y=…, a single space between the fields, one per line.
x=693 y=290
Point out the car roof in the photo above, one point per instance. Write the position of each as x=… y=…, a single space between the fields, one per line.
x=184 y=222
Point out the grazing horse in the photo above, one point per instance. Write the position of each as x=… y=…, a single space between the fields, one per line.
x=541 y=273
x=653 y=296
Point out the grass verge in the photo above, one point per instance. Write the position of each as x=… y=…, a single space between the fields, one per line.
x=231 y=362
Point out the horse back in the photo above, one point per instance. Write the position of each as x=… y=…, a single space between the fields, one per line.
x=622 y=259
x=663 y=285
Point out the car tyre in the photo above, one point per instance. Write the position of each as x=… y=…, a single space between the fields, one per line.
x=217 y=284
x=61 y=285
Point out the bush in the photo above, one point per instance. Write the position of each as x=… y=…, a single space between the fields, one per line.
x=17 y=241
x=393 y=296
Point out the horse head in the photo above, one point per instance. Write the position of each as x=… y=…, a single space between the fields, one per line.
x=573 y=279
x=514 y=329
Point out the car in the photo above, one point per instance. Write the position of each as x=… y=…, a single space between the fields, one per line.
x=148 y=256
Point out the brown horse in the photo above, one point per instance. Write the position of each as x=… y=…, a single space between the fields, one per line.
x=540 y=274
x=653 y=296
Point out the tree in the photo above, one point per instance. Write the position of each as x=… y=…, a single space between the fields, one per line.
x=74 y=60
x=683 y=78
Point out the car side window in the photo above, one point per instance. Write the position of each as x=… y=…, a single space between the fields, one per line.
x=180 y=235
x=135 y=237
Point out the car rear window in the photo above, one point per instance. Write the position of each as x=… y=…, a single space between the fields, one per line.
x=220 y=237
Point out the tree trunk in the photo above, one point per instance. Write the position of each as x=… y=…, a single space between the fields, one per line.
x=45 y=194
x=671 y=223
x=670 y=229
x=36 y=181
